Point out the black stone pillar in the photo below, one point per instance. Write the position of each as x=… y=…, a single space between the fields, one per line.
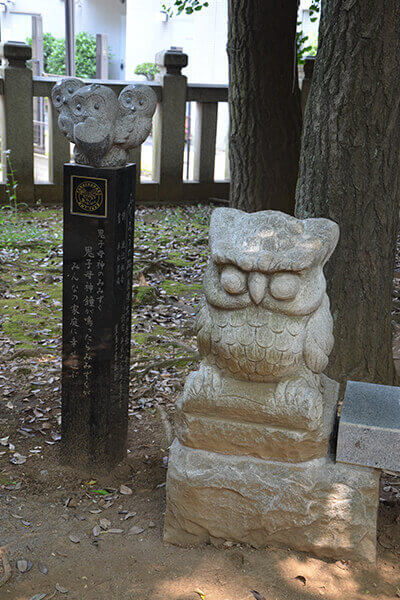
x=97 y=298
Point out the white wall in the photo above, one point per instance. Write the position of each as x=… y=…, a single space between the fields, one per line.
x=105 y=16
x=18 y=27
x=93 y=16
x=202 y=36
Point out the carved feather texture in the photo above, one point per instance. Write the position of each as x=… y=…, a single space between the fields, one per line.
x=319 y=340
x=252 y=344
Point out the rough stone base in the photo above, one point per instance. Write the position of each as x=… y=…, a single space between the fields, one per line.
x=316 y=506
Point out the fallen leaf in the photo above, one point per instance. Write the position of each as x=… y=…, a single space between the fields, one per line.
x=115 y=531
x=96 y=530
x=135 y=530
x=104 y=523
x=38 y=597
x=74 y=538
x=22 y=566
x=61 y=589
x=129 y=515
x=43 y=568
x=257 y=595
x=302 y=579
x=18 y=459
x=200 y=593
x=124 y=489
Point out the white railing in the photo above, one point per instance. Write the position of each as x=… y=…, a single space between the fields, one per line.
x=167 y=184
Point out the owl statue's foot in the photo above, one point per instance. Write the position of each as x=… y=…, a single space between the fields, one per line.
x=304 y=391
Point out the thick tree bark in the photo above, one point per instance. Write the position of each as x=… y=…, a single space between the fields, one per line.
x=264 y=103
x=349 y=172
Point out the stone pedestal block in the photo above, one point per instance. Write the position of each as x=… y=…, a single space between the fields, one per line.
x=315 y=506
x=209 y=418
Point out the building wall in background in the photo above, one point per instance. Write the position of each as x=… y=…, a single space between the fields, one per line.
x=202 y=36
x=92 y=16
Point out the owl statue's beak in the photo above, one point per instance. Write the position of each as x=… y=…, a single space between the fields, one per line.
x=257 y=284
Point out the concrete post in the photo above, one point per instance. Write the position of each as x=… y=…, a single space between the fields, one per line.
x=101 y=56
x=169 y=129
x=18 y=114
x=205 y=139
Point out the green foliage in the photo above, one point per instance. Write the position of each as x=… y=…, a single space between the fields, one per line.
x=48 y=43
x=11 y=188
x=304 y=45
x=148 y=69
x=85 y=54
x=187 y=6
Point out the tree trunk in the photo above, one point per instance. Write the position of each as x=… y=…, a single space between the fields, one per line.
x=349 y=172
x=264 y=103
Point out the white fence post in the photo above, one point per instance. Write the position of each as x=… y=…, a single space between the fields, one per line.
x=18 y=115
x=169 y=130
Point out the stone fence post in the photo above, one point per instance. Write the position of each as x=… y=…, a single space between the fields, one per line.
x=306 y=85
x=17 y=127
x=169 y=126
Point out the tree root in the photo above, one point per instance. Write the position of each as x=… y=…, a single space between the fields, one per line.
x=167 y=425
x=6 y=566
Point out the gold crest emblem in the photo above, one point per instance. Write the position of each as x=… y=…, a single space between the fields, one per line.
x=89 y=196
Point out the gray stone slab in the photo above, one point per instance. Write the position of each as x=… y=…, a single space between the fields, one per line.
x=369 y=426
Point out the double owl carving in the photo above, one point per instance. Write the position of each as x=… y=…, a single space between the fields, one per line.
x=103 y=127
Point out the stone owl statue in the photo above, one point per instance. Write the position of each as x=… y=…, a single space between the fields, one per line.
x=253 y=460
x=264 y=329
x=103 y=127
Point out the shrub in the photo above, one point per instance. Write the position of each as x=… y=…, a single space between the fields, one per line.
x=148 y=69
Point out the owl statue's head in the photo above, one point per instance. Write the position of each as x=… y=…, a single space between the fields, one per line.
x=61 y=96
x=95 y=109
x=268 y=259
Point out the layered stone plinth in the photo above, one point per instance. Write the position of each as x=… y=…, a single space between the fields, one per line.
x=221 y=414
x=315 y=506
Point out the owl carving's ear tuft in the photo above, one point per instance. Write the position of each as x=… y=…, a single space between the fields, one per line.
x=225 y=226
x=325 y=234
x=270 y=240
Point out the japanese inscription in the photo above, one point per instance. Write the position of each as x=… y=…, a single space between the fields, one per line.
x=97 y=304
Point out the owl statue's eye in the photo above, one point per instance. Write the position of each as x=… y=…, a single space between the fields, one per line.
x=127 y=100
x=95 y=103
x=70 y=90
x=57 y=97
x=233 y=280
x=284 y=286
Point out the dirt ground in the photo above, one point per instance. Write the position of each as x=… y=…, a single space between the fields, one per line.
x=53 y=505
x=77 y=536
